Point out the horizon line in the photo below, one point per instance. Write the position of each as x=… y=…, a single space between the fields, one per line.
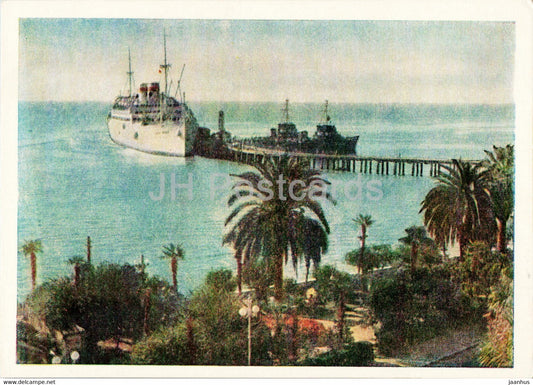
x=291 y=102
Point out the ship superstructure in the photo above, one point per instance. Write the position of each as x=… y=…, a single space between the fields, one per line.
x=330 y=141
x=326 y=139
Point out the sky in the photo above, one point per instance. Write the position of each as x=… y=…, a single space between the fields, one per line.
x=252 y=60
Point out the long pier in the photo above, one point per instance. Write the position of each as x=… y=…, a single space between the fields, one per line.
x=349 y=163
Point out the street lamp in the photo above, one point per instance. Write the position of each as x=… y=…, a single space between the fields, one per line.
x=74 y=356
x=249 y=311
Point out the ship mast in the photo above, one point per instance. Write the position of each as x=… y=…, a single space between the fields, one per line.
x=166 y=65
x=130 y=73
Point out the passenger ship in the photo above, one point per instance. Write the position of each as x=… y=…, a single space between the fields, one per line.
x=151 y=120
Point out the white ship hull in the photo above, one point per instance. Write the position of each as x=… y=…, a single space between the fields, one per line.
x=167 y=138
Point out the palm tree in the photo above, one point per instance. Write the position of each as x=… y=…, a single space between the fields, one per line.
x=374 y=257
x=77 y=261
x=238 y=259
x=459 y=207
x=173 y=252
x=315 y=243
x=89 y=250
x=141 y=267
x=276 y=214
x=500 y=166
x=365 y=221
x=416 y=237
x=147 y=303
x=31 y=248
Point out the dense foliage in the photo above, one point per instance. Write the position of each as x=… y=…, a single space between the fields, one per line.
x=480 y=270
x=370 y=258
x=258 y=276
x=108 y=301
x=497 y=351
x=353 y=354
x=414 y=306
x=213 y=334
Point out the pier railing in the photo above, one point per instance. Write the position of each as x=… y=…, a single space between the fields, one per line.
x=349 y=163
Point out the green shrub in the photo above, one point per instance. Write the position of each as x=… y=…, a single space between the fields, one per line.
x=168 y=346
x=219 y=331
x=353 y=354
x=480 y=269
x=497 y=350
x=221 y=280
x=416 y=306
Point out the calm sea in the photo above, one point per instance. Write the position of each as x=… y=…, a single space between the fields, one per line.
x=75 y=182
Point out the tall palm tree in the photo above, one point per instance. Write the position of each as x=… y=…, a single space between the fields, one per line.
x=416 y=238
x=173 y=252
x=459 y=207
x=500 y=166
x=141 y=267
x=276 y=212
x=89 y=250
x=365 y=221
x=315 y=243
x=239 y=260
x=77 y=261
x=31 y=249
x=147 y=303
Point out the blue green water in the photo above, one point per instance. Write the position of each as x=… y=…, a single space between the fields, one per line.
x=75 y=182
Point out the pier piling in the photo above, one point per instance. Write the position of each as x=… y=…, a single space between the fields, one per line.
x=248 y=154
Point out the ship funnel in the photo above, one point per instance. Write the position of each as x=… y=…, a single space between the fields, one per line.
x=143 y=90
x=153 y=92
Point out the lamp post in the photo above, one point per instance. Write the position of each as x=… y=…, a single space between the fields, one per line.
x=74 y=356
x=249 y=311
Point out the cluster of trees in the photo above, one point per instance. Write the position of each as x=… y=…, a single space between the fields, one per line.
x=108 y=302
x=471 y=204
x=422 y=293
x=414 y=305
x=210 y=331
x=110 y=306
x=474 y=204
